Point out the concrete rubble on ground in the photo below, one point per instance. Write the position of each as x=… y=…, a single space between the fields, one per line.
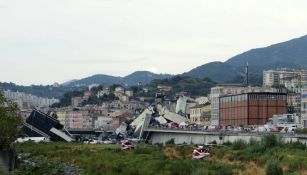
x=67 y=168
x=122 y=129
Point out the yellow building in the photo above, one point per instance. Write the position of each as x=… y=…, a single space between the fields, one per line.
x=129 y=93
x=200 y=114
x=61 y=116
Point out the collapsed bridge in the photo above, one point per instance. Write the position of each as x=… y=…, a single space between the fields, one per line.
x=39 y=124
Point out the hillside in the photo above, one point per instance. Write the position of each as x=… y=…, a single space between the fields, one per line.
x=194 y=86
x=291 y=54
x=144 y=77
x=217 y=71
x=95 y=79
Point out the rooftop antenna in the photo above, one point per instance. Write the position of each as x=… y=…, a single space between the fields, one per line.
x=246 y=75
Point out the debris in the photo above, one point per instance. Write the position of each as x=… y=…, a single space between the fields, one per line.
x=39 y=124
x=161 y=120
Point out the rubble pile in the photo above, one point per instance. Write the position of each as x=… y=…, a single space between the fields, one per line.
x=30 y=164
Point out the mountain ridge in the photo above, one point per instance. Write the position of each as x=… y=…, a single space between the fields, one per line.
x=134 y=78
x=290 y=54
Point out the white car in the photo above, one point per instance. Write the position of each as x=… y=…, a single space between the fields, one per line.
x=260 y=129
x=288 y=130
x=212 y=127
x=92 y=142
x=238 y=129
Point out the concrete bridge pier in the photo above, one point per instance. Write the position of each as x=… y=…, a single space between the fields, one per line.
x=7 y=161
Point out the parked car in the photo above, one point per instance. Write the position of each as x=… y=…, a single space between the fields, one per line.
x=92 y=141
x=111 y=141
x=238 y=129
x=288 y=130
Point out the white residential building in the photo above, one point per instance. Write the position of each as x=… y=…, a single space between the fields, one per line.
x=29 y=100
x=119 y=91
x=304 y=107
x=104 y=91
x=290 y=78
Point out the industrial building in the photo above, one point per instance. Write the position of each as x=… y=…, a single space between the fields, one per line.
x=220 y=91
x=253 y=108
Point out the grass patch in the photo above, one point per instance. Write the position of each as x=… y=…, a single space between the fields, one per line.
x=237 y=158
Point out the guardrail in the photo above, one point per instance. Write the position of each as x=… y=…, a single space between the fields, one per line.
x=36 y=130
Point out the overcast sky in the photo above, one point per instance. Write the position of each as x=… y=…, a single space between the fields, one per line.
x=46 y=41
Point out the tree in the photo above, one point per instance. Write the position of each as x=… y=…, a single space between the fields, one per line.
x=66 y=99
x=9 y=122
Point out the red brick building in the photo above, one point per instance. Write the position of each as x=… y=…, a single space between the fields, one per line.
x=251 y=108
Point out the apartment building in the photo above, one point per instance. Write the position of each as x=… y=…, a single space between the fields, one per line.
x=28 y=100
x=304 y=107
x=292 y=79
x=79 y=119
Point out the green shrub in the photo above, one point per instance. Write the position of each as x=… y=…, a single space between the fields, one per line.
x=301 y=131
x=292 y=173
x=170 y=142
x=159 y=145
x=241 y=156
x=296 y=145
x=200 y=171
x=219 y=153
x=221 y=169
x=142 y=150
x=228 y=143
x=179 y=167
x=151 y=160
x=213 y=142
x=270 y=141
x=238 y=144
x=221 y=136
x=273 y=168
x=295 y=165
x=252 y=141
x=256 y=148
